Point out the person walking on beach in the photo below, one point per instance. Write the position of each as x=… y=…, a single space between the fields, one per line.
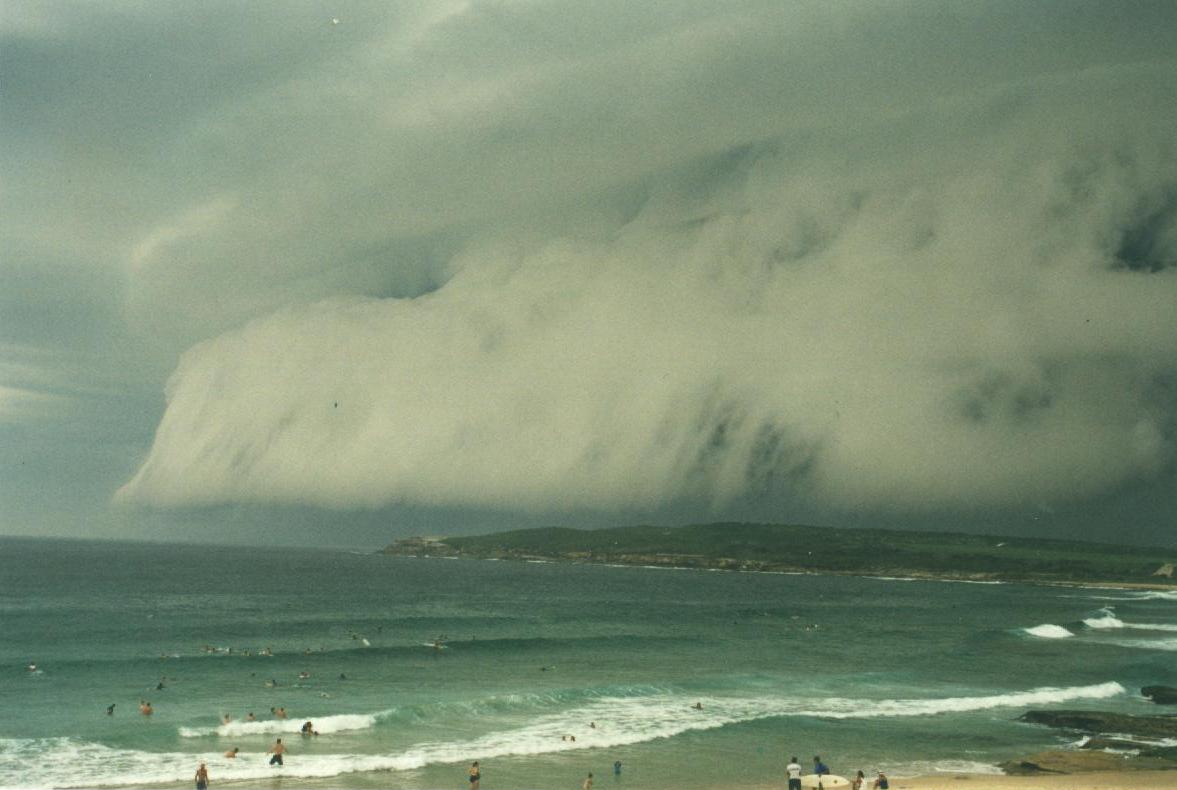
x=587 y=784
x=475 y=775
x=278 y=749
x=202 y=777
x=793 y=771
x=881 y=782
x=859 y=782
x=819 y=768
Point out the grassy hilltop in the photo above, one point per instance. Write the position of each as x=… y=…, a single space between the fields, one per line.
x=818 y=549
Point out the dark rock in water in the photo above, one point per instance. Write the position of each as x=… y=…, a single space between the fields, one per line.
x=1096 y=722
x=1162 y=695
x=1140 y=749
x=1078 y=762
x=1026 y=768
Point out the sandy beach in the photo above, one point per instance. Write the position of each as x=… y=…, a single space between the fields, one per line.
x=1086 y=781
x=1102 y=780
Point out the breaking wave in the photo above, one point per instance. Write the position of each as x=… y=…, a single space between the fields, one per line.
x=324 y=725
x=1048 y=631
x=68 y=762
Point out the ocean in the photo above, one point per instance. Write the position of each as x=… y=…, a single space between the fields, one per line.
x=911 y=677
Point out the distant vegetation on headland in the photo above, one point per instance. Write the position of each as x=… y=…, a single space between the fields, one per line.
x=779 y=547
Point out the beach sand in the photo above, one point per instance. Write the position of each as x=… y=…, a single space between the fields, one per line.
x=1104 y=780
x=1100 y=780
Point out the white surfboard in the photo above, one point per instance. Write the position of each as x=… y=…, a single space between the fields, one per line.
x=827 y=781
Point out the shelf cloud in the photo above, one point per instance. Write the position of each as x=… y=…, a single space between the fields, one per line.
x=899 y=259
x=961 y=300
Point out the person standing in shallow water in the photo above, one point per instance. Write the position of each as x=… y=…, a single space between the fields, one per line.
x=278 y=749
x=587 y=784
x=475 y=775
x=202 y=777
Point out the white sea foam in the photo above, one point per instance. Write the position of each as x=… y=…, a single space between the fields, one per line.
x=1048 y=631
x=933 y=767
x=1151 y=626
x=1155 y=595
x=343 y=722
x=59 y=763
x=1146 y=644
x=1107 y=619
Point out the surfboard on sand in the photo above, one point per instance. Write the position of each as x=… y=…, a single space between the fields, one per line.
x=827 y=781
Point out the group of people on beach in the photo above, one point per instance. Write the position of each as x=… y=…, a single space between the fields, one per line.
x=859 y=782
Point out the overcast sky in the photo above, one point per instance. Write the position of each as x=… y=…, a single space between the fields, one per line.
x=330 y=272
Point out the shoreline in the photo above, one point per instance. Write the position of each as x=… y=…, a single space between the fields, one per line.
x=720 y=566
x=1093 y=780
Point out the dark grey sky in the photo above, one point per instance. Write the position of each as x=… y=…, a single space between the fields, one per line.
x=318 y=272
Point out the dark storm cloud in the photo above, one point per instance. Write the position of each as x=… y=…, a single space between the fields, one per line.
x=546 y=256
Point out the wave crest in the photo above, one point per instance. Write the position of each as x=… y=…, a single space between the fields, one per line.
x=342 y=722
x=1048 y=631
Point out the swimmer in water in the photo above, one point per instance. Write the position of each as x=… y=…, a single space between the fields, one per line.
x=145 y=708
x=226 y=719
x=697 y=706
x=250 y=717
x=308 y=729
x=110 y=709
x=279 y=713
x=232 y=753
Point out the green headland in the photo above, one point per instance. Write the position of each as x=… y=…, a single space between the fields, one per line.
x=807 y=549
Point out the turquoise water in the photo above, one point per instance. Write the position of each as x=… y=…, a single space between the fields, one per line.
x=907 y=676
